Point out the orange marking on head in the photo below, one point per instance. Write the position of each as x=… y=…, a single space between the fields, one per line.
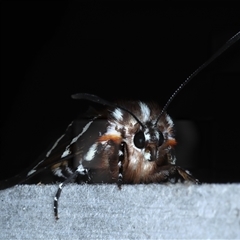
x=172 y=142
x=115 y=138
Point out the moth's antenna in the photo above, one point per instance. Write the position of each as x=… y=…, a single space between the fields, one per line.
x=99 y=100
x=229 y=43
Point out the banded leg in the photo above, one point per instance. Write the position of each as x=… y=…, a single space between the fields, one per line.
x=120 y=166
x=80 y=170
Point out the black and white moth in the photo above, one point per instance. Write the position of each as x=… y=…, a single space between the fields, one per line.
x=126 y=142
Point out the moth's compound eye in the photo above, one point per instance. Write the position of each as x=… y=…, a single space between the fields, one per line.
x=139 y=140
x=161 y=139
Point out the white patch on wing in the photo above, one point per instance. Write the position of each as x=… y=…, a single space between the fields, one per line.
x=56 y=143
x=80 y=134
x=117 y=114
x=31 y=172
x=66 y=153
x=145 y=111
x=91 y=152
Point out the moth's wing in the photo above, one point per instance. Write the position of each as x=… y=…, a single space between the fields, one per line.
x=65 y=148
x=48 y=158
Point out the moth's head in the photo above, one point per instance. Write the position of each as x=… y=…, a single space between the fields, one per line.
x=147 y=137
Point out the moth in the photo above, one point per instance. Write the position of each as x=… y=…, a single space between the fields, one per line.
x=125 y=142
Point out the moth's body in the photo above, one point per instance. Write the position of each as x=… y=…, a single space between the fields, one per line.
x=100 y=140
x=101 y=147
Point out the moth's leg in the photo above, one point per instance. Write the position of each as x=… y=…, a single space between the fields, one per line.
x=175 y=173
x=120 y=165
x=80 y=171
x=186 y=175
x=172 y=173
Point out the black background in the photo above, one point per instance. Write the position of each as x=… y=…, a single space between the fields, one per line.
x=120 y=49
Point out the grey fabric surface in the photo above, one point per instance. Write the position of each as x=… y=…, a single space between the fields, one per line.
x=171 y=211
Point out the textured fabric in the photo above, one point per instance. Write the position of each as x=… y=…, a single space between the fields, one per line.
x=171 y=211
